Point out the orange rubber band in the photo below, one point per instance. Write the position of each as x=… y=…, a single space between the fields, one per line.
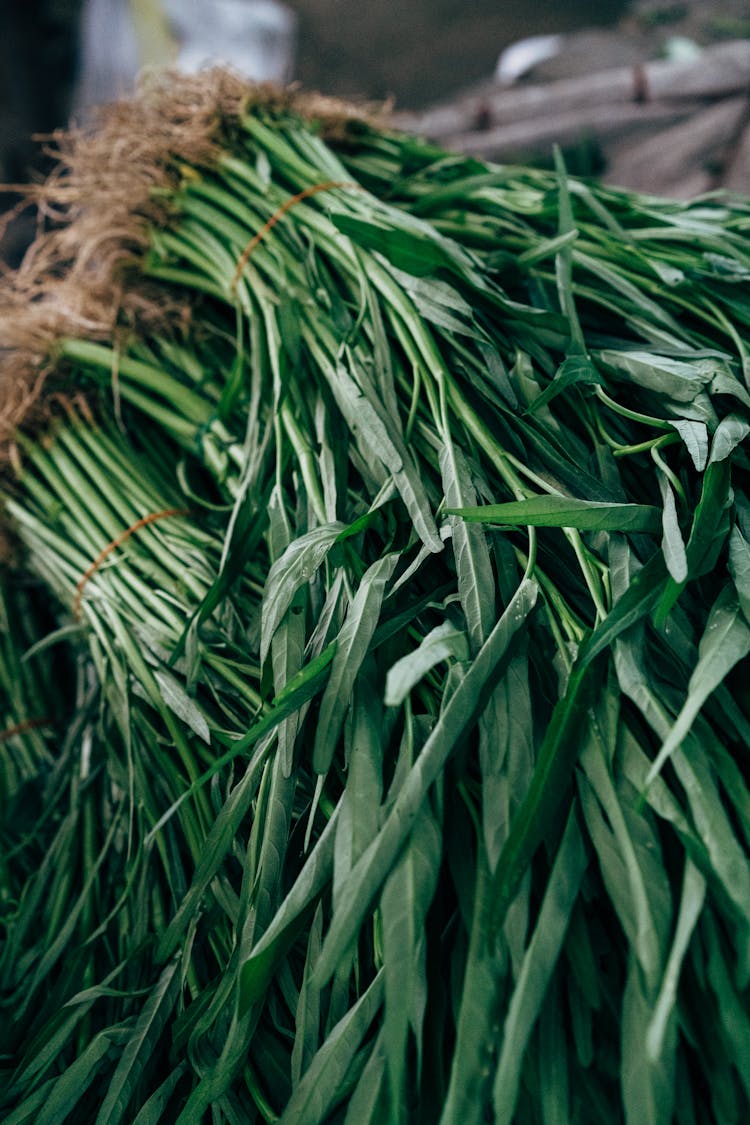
x=271 y=223
x=117 y=542
x=21 y=728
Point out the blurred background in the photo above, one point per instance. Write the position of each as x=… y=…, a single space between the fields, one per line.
x=476 y=58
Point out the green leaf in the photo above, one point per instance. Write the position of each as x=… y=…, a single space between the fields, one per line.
x=647 y=1085
x=244 y=532
x=54 y=948
x=506 y=752
x=691 y=905
x=731 y=1007
x=469 y=1090
x=444 y=642
x=641 y=595
x=708 y=534
x=537 y=968
x=352 y=644
x=573 y=370
x=739 y=568
x=554 y=1058
x=368 y=1104
x=323 y=1084
x=404 y=903
x=299 y=690
x=672 y=544
x=178 y=701
x=307 y=1014
x=287 y=646
x=476 y=583
x=359 y=810
x=730 y=433
x=707 y=834
x=380 y=436
x=564 y=257
x=152 y=1111
x=272 y=820
x=679 y=380
x=695 y=437
x=628 y=853
x=726 y=383
x=27 y=1112
x=460 y=713
x=140 y=1046
x=257 y=972
x=439 y=303
x=45 y=1054
x=216 y=846
x=297 y=565
x=564 y=511
x=725 y=641
x=418 y=251
x=73 y=1083
x=549 y=784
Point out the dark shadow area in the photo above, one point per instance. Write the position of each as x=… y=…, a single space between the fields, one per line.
x=38 y=57
x=419 y=51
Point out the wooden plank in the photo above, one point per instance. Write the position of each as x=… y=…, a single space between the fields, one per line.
x=605 y=123
x=719 y=72
x=737 y=177
x=685 y=159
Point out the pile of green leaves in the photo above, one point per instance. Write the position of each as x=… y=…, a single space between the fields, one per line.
x=403 y=604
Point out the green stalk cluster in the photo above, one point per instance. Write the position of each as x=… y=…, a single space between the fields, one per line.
x=33 y=708
x=408 y=596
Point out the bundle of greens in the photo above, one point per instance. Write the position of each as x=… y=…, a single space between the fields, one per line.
x=392 y=509
x=33 y=705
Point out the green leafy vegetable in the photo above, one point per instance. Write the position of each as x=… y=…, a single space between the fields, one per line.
x=374 y=641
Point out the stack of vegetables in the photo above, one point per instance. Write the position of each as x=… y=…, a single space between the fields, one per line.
x=374 y=650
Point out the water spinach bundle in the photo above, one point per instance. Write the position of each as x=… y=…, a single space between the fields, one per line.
x=375 y=633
